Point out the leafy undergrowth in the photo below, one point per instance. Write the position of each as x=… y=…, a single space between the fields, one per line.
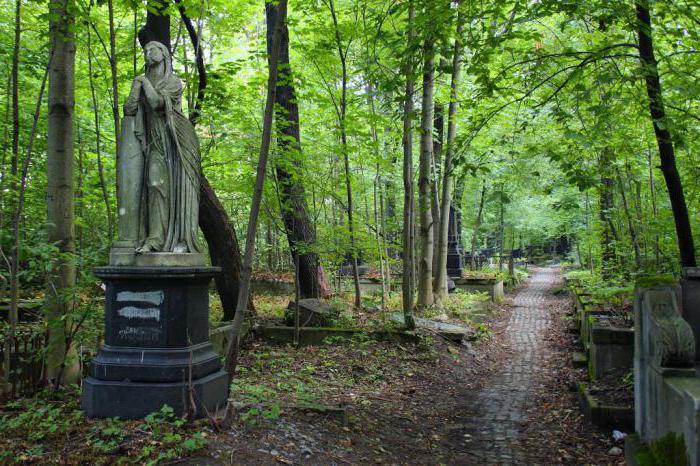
x=459 y=308
x=52 y=429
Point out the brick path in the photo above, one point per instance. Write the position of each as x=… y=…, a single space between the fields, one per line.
x=494 y=415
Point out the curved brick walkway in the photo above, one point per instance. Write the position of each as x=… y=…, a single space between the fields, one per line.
x=495 y=414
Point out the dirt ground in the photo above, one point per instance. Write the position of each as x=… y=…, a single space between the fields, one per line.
x=508 y=399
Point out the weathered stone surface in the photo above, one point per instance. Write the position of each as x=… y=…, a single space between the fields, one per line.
x=158 y=169
x=666 y=385
x=492 y=286
x=690 y=285
x=312 y=313
x=156 y=343
x=129 y=257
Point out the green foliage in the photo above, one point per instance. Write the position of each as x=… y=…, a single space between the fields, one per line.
x=35 y=429
x=668 y=450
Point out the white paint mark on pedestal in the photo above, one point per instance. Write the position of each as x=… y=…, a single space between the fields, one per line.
x=131 y=312
x=151 y=297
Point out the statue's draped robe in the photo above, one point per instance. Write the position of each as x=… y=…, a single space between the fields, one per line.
x=170 y=204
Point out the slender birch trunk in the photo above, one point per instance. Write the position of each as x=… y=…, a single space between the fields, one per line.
x=425 y=265
x=441 y=272
x=408 y=278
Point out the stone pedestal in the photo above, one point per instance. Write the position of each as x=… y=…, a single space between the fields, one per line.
x=690 y=306
x=455 y=253
x=157 y=349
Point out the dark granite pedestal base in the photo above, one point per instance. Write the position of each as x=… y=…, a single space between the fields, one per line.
x=157 y=348
x=455 y=263
x=134 y=400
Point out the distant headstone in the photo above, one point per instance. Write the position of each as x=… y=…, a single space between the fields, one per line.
x=312 y=313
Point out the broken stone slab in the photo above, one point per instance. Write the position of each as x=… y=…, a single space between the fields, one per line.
x=451 y=332
x=312 y=313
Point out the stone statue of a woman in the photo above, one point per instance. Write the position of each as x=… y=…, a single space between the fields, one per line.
x=169 y=156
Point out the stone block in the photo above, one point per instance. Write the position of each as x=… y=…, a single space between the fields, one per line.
x=492 y=286
x=611 y=349
x=312 y=313
x=156 y=344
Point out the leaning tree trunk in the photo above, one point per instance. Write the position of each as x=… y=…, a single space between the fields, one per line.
x=425 y=264
x=213 y=219
x=663 y=135
x=298 y=225
x=59 y=201
x=241 y=305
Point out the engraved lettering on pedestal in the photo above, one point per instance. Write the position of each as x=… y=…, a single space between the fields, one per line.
x=139 y=311
x=140 y=334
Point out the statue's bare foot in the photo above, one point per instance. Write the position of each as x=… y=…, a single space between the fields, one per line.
x=181 y=248
x=144 y=249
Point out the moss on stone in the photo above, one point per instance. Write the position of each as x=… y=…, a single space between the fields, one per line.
x=654 y=280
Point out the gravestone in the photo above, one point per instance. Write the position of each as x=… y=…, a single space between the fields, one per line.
x=157 y=350
x=690 y=286
x=455 y=253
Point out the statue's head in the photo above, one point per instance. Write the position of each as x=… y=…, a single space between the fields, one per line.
x=156 y=54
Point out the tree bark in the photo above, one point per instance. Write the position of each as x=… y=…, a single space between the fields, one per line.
x=14 y=161
x=425 y=265
x=477 y=225
x=407 y=280
x=630 y=224
x=342 y=113
x=213 y=219
x=438 y=138
x=157 y=25
x=607 y=245
x=98 y=141
x=114 y=76
x=663 y=135
x=299 y=228
x=441 y=272
x=241 y=305
x=59 y=153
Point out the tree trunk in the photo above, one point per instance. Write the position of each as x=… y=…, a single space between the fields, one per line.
x=607 y=245
x=15 y=99
x=98 y=141
x=298 y=225
x=477 y=225
x=17 y=215
x=438 y=137
x=630 y=224
x=59 y=153
x=407 y=280
x=213 y=219
x=342 y=112
x=114 y=76
x=157 y=25
x=441 y=272
x=241 y=305
x=663 y=135
x=425 y=266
